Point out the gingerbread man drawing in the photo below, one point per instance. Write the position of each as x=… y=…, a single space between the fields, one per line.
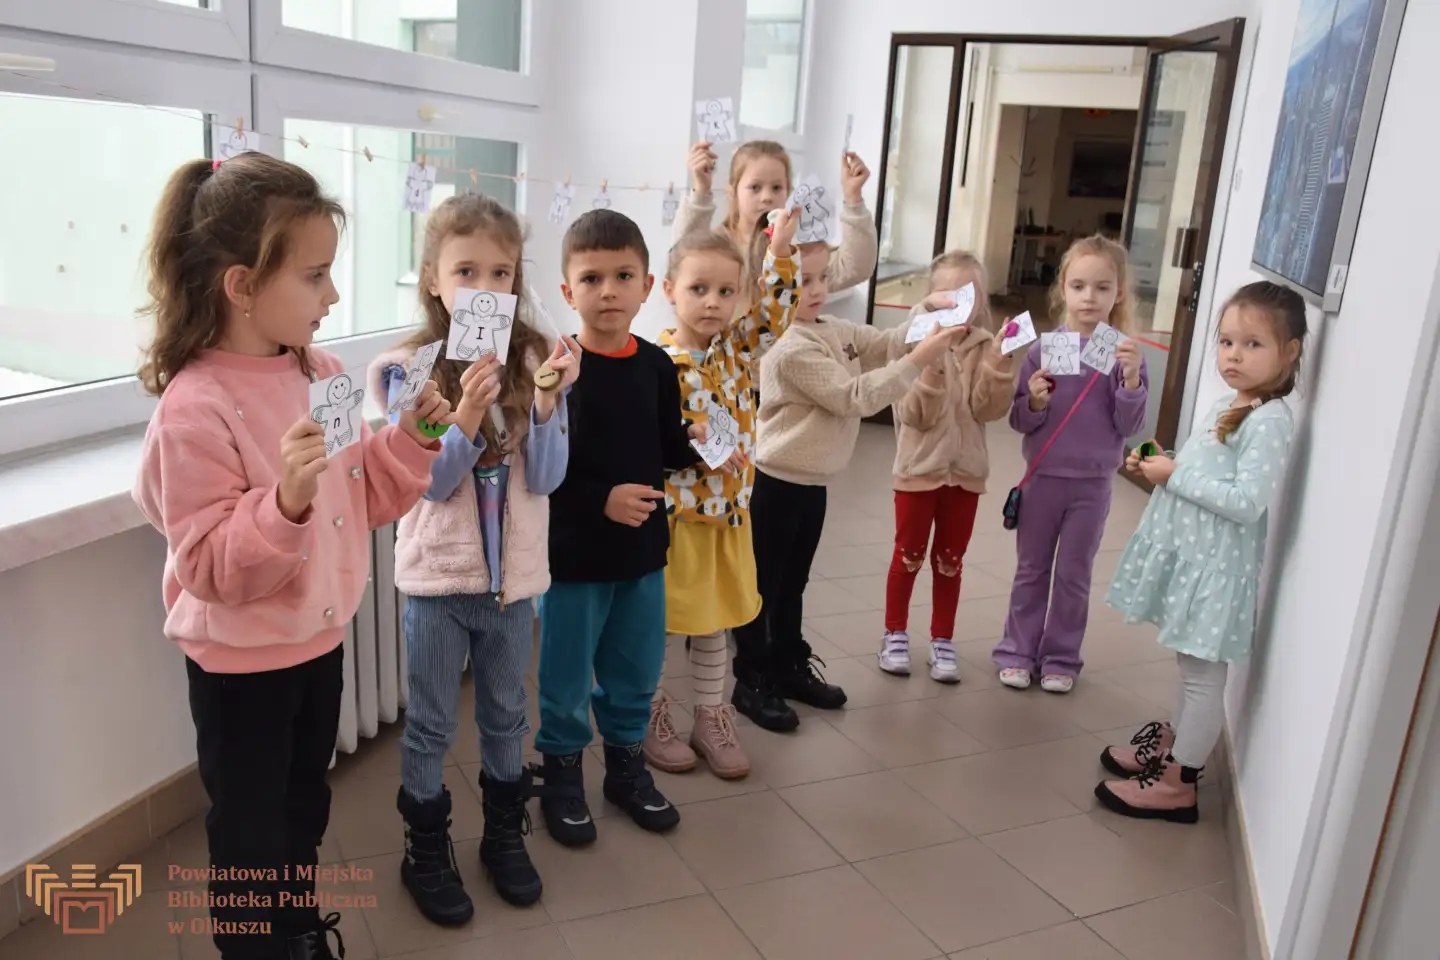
x=480 y=321
x=814 y=216
x=336 y=416
x=716 y=121
x=418 y=184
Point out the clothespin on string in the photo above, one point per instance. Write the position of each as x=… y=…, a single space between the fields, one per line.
x=369 y=157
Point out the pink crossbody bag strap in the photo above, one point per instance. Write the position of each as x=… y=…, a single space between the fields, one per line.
x=1034 y=464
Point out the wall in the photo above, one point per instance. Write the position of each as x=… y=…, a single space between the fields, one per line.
x=98 y=690
x=918 y=152
x=1004 y=192
x=1351 y=399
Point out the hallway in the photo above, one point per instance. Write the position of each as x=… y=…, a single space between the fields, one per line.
x=921 y=822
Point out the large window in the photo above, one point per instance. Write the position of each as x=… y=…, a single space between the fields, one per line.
x=774 y=54
x=89 y=146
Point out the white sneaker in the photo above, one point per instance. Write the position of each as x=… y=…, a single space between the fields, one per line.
x=894 y=653
x=1057 y=683
x=1016 y=677
x=944 y=667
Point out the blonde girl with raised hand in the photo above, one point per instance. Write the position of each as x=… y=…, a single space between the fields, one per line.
x=473 y=555
x=1193 y=566
x=941 y=465
x=761 y=178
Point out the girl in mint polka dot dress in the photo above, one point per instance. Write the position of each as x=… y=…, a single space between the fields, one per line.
x=1192 y=567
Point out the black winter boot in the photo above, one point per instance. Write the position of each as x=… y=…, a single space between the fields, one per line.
x=629 y=785
x=755 y=697
x=801 y=680
x=502 y=848
x=315 y=945
x=429 y=870
x=562 y=800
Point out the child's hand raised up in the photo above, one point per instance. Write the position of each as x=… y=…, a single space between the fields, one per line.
x=479 y=387
x=431 y=407
x=853 y=176
x=632 y=503
x=702 y=166
x=302 y=460
x=782 y=233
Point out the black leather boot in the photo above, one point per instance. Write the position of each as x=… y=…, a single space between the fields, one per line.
x=502 y=848
x=801 y=680
x=429 y=870
x=315 y=945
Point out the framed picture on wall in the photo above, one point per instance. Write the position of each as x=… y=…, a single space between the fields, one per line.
x=1100 y=169
x=1340 y=60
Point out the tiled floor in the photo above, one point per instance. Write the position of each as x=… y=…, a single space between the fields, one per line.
x=920 y=822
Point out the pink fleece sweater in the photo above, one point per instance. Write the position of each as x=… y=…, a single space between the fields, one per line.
x=245 y=589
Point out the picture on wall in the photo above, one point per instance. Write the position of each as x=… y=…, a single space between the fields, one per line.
x=1323 y=141
x=1100 y=168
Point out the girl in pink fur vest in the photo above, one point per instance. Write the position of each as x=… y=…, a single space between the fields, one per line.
x=472 y=555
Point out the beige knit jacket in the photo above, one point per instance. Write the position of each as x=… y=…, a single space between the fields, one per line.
x=816 y=384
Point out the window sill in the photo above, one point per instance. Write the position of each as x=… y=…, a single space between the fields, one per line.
x=72 y=497
x=68 y=498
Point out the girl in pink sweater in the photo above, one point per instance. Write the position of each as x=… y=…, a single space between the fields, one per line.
x=268 y=537
x=473 y=555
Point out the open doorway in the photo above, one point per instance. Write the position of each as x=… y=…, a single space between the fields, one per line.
x=1014 y=147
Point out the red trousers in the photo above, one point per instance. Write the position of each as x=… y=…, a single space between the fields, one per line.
x=951 y=510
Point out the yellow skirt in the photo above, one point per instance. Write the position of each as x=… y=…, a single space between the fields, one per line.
x=709 y=578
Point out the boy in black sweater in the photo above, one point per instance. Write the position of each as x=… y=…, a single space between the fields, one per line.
x=602 y=623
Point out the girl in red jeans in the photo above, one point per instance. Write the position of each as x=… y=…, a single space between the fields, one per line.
x=941 y=464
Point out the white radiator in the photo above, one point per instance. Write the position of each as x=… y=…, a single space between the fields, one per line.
x=375 y=679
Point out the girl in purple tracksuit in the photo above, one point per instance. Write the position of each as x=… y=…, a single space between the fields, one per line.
x=1071 y=471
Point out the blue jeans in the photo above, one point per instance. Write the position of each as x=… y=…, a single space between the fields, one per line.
x=612 y=634
x=439 y=633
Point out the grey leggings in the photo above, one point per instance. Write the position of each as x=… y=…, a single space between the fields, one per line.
x=1201 y=711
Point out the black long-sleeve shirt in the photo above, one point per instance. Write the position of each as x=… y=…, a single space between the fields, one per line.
x=625 y=427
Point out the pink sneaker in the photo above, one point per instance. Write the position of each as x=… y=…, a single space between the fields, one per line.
x=1164 y=791
x=1154 y=740
x=715 y=739
x=664 y=750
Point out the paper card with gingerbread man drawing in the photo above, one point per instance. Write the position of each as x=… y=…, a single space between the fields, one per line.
x=335 y=404
x=721 y=438
x=715 y=120
x=230 y=142
x=420 y=367
x=419 y=184
x=480 y=324
x=669 y=206
x=1099 y=353
x=816 y=208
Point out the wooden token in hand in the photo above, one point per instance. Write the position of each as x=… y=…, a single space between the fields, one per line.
x=547 y=379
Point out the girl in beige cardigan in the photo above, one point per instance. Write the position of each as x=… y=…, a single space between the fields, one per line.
x=941 y=464
x=760 y=180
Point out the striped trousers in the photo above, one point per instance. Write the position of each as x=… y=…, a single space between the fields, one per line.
x=440 y=632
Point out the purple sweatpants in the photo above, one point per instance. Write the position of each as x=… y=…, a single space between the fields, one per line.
x=1061 y=523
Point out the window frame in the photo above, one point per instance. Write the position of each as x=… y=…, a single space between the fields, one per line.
x=223 y=33
x=218 y=87
x=802 y=80
x=278 y=45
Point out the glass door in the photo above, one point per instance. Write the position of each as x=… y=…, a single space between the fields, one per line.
x=1173 y=179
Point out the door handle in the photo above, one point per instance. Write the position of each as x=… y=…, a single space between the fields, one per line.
x=1177 y=256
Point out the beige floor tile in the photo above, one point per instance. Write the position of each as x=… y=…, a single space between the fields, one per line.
x=365 y=823
x=834 y=563
x=1223 y=893
x=871 y=815
x=858 y=634
x=1096 y=704
x=1111 y=646
x=1070 y=767
x=824 y=598
x=10 y=893
x=824 y=916
x=1089 y=869
x=747 y=839
x=904 y=734
x=542 y=943
x=626 y=867
x=1198 y=852
x=816 y=751
x=695 y=928
x=141 y=931
x=1003 y=718
x=1188 y=926
x=843 y=531
x=699 y=785
x=962 y=894
x=988 y=792
x=1156 y=682
x=378 y=756
x=397 y=926
x=867 y=685
x=978 y=583
x=1069 y=941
